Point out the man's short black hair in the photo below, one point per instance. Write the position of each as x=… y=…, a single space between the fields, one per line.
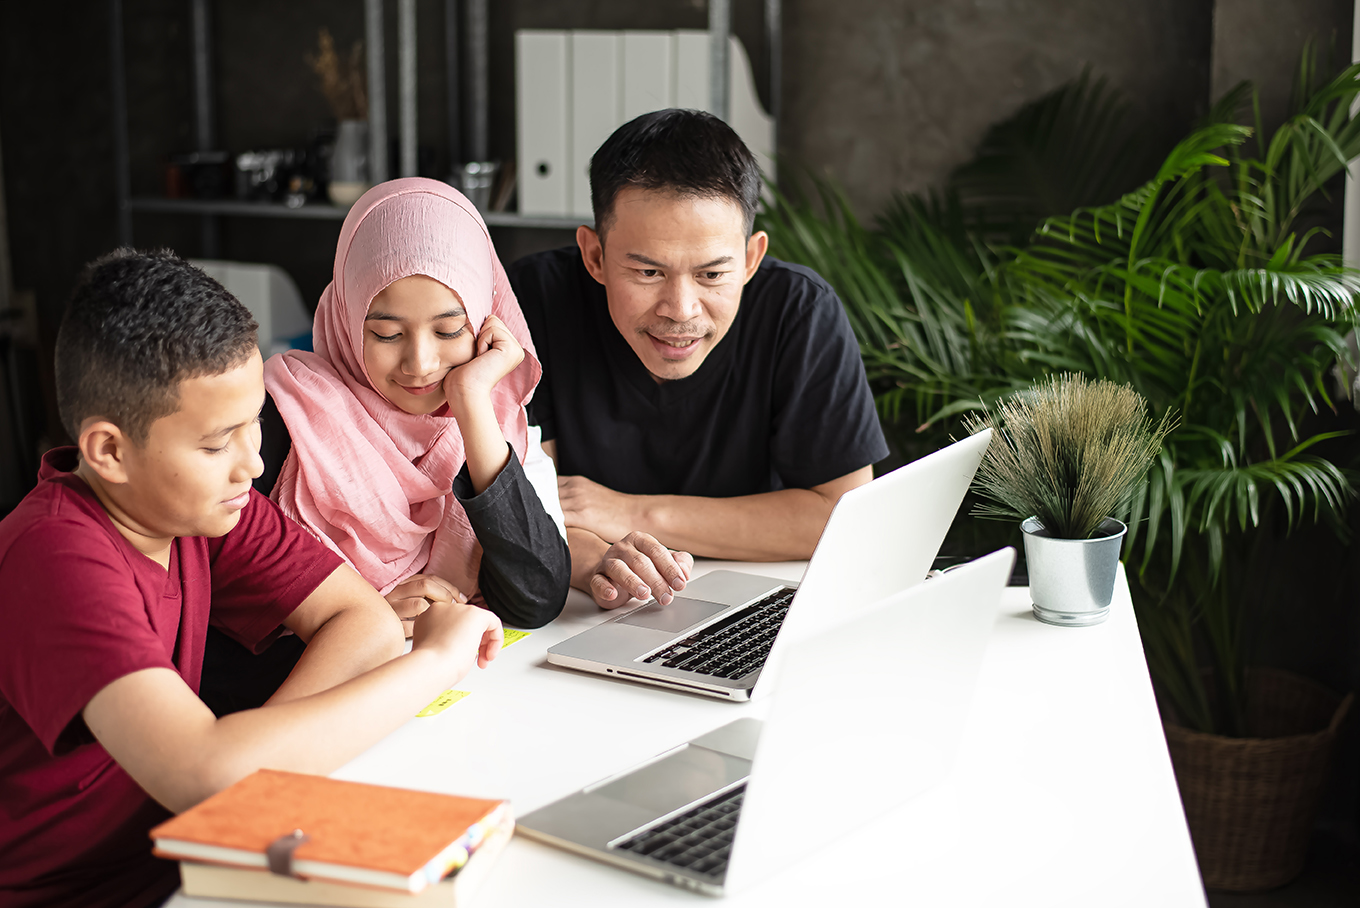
x=688 y=152
x=137 y=325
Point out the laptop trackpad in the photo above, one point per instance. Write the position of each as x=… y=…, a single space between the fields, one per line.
x=677 y=616
x=676 y=779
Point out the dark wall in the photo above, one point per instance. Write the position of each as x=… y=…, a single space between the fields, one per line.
x=58 y=151
x=890 y=96
x=1253 y=40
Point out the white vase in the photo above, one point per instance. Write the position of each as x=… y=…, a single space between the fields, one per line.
x=349 y=163
x=1071 y=581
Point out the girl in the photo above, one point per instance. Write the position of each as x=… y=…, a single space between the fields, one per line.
x=407 y=436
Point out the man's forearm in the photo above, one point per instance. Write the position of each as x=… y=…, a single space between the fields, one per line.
x=772 y=526
x=586 y=551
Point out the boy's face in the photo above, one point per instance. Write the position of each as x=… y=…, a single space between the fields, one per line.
x=191 y=477
x=673 y=268
x=416 y=332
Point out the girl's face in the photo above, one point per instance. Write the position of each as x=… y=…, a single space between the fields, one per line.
x=415 y=332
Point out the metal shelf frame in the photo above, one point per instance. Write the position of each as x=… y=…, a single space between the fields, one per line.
x=318 y=211
x=474 y=43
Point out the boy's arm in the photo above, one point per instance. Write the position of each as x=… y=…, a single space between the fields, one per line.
x=348 y=629
x=171 y=745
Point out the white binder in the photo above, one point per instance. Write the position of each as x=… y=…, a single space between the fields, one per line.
x=596 y=106
x=691 y=70
x=647 y=73
x=543 y=121
x=744 y=113
x=575 y=88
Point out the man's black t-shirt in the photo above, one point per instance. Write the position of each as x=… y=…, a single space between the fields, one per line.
x=780 y=402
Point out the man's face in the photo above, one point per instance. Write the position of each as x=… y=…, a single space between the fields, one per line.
x=191 y=477
x=673 y=269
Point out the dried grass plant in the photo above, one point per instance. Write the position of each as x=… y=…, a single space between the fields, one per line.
x=1070 y=452
x=343 y=82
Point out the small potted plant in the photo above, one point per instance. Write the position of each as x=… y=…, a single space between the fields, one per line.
x=344 y=84
x=1067 y=458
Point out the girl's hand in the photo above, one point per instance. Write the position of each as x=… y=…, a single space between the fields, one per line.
x=461 y=635
x=417 y=593
x=495 y=356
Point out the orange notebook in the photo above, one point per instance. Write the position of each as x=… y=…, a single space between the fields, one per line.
x=367 y=835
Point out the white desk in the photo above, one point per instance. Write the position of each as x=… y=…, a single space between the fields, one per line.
x=1062 y=794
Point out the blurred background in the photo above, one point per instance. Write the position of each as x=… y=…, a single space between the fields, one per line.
x=883 y=96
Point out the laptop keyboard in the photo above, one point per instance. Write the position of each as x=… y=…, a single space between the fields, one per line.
x=733 y=647
x=698 y=840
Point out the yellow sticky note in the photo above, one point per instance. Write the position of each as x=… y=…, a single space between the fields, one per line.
x=511 y=635
x=442 y=702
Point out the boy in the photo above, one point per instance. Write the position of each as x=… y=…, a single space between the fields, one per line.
x=113 y=567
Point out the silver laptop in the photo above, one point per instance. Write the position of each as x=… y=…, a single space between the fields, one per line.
x=731 y=807
x=715 y=637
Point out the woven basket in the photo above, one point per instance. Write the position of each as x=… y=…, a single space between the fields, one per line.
x=1251 y=802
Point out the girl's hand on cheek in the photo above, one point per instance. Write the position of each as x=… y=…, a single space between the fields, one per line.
x=496 y=354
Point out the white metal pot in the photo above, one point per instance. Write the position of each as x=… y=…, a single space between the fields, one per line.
x=1071 y=581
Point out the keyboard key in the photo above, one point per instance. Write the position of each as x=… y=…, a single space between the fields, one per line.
x=699 y=840
x=735 y=646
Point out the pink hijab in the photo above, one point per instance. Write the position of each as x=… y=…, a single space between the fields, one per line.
x=367 y=478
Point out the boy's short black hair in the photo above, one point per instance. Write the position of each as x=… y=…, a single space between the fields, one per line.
x=687 y=152
x=137 y=325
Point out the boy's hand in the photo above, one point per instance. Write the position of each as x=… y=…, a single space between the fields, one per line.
x=416 y=593
x=458 y=633
x=496 y=355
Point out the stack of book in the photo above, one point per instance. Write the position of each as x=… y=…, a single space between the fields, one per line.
x=335 y=843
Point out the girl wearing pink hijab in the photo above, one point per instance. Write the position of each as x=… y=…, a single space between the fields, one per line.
x=406 y=430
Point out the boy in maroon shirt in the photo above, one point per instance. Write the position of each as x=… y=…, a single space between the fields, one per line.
x=111 y=570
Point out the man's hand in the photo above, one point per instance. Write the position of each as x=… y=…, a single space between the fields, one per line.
x=608 y=514
x=457 y=632
x=497 y=354
x=416 y=593
x=635 y=567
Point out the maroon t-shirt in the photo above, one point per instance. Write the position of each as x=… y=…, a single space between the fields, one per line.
x=80 y=608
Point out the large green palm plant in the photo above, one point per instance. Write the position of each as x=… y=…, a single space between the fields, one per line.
x=925 y=288
x=1197 y=289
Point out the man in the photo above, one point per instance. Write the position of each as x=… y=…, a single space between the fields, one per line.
x=697 y=395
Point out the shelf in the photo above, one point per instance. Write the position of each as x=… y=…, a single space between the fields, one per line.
x=476 y=46
x=321 y=211
x=237 y=208
x=515 y=219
